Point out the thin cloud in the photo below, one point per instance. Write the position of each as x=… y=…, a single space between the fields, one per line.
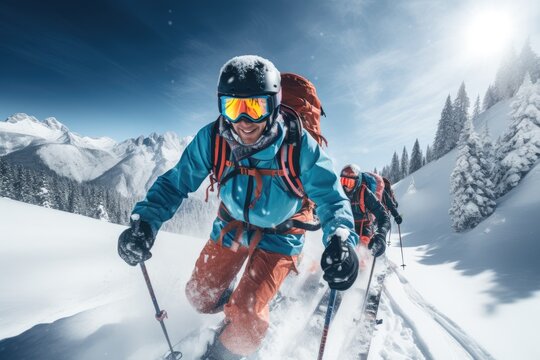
x=349 y=8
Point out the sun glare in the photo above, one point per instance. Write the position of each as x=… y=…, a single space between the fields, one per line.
x=488 y=32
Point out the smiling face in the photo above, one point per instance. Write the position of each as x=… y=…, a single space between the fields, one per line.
x=249 y=132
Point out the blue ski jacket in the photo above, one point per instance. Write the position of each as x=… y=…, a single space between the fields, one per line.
x=275 y=205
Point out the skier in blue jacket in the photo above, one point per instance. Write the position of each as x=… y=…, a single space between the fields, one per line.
x=254 y=207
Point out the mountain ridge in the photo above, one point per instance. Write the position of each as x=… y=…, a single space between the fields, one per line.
x=129 y=166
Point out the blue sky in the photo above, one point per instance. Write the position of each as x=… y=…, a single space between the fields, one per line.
x=128 y=67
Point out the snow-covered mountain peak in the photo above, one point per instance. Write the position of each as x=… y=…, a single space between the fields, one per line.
x=152 y=140
x=21 y=130
x=21 y=117
x=53 y=124
x=22 y=120
x=69 y=139
x=155 y=142
x=168 y=139
x=143 y=160
x=23 y=124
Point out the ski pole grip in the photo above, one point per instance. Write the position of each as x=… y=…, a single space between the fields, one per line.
x=135 y=222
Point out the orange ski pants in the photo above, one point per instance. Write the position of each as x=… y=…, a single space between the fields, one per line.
x=247 y=311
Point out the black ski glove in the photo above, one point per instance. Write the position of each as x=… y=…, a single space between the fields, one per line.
x=340 y=264
x=134 y=244
x=377 y=245
x=398 y=219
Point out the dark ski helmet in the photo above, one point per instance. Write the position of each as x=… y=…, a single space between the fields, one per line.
x=351 y=171
x=250 y=75
x=350 y=178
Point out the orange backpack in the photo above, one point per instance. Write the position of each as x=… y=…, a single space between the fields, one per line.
x=300 y=95
x=363 y=218
x=375 y=184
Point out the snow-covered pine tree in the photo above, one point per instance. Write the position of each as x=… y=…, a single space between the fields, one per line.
x=470 y=203
x=43 y=195
x=490 y=98
x=27 y=187
x=429 y=154
x=16 y=182
x=529 y=62
x=416 y=158
x=13 y=181
x=507 y=79
x=3 y=178
x=404 y=163
x=60 y=192
x=441 y=144
x=460 y=115
x=476 y=109
x=395 y=170
x=487 y=161
x=75 y=199
x=519 y=148
x=101 y=213
x=385 y=172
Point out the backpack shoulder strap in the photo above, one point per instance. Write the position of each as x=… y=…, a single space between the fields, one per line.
x=289 y=155
x=220 y=151
x=361 y=198
x=293 y=124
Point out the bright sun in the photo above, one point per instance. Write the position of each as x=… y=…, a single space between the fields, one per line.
x=488 y=32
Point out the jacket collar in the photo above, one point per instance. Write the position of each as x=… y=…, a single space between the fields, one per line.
x=264 y=149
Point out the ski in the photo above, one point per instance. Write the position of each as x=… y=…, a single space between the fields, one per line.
x=307 y=343
x=356 y=345
x=193 y=345
x=369 y=319
x=316 y=321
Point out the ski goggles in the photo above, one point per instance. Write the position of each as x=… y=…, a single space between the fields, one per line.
x=255 y=108
x=348 y=182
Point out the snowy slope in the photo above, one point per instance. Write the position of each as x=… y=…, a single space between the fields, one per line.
x=66 y=159
x=486 y=280
x=65 y=266
x=70 y=296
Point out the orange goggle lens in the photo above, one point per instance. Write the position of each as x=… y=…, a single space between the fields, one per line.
x=348 y=182
x=254 y=108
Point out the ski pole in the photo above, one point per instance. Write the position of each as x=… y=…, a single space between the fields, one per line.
x=327 y=320
x=367 y=289
x=389 y=240
x=401 y=246
x=160 y=315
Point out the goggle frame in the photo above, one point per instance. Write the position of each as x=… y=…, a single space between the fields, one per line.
x=269 y=101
